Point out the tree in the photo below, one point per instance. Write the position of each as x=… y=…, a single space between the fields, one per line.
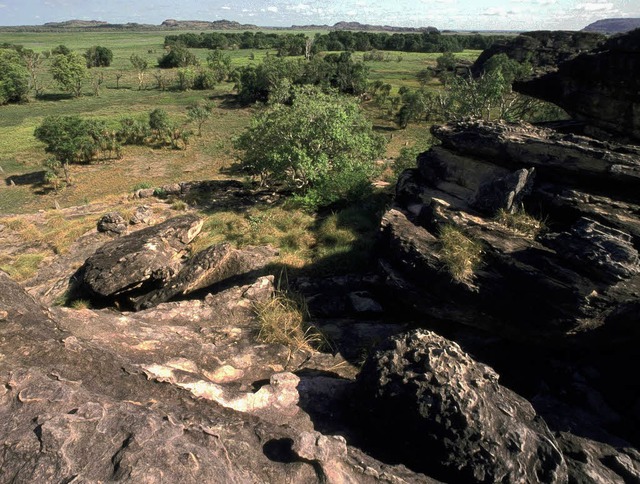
x=33 y=62
x=199 y=113
x=70 y=72
x=159 y=122
x=61 y=50
x=71 y=139
x=220 y=64
x=321 y=146
x=14 y=77
x=98 y=56
x=140 y=65
x=178 y=56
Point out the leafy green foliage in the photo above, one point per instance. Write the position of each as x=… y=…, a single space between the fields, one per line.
x=71 y=139
x=70 y=72
x=140 y=65
x=321 y=146
x=338 y=71
x=14 y=77
x=178 y=56
x=199 y=113
x=98 y=56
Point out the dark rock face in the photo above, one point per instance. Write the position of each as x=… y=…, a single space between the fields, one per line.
x=212 y=265
x=448 y=412
x=600 y=88
x=582 y=272
x=543 y=49
x=112 y=223
x=146 y=257
x=569 y=292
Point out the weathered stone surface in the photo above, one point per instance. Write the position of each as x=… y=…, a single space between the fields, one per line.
x=601 y=88
x=556 y=156
x=211 y=265
x=590 y=461
x=596 y=249
x=142 y=258
x=76 y=401
x=142 y=215
x=451 y=417
x=112 y=223
x=505 y=193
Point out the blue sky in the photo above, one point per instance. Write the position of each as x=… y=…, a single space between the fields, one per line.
x=443 y=14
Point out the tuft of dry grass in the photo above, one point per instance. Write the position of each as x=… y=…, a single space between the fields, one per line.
x=460 y=255
x=80 y=304
x=520 y=222
x=283 y=320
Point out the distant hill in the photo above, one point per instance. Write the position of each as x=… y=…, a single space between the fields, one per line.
x=204 y=25
x=384 y=28
x=613 y=25
x=172 y=24
x=75 y=24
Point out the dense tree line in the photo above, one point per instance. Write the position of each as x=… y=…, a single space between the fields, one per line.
x=338 y=40
x=273 y=79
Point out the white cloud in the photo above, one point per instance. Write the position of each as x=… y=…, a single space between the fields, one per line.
x=2 y=5
x=272 y=8
x=225 y=8
x=594 y=6
x=299 y=7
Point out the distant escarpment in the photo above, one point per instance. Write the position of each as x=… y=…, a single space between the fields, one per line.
x=600 y=88
x=613 y=25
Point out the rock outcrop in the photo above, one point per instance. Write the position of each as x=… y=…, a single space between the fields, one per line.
x=543 y=49
x=211 y=265
x=548 y=233
x=148 y=257
x=449 y=416
x=168 y=393
x=600 y=88
x=579 y=274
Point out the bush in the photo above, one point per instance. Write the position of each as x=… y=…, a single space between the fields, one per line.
x=14 y=78
x=321 y=146
x=98 y=56
x=178 y=56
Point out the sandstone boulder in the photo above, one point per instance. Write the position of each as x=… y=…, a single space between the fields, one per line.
x=452 y=419
x=212 y=265
x=145 y=258
x=112 y=223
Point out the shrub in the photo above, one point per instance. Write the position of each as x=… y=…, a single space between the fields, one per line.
x=98 y=56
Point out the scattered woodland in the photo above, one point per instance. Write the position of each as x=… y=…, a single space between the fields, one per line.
x=329 y=118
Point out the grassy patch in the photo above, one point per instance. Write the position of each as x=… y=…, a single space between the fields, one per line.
x=459 y=254
x=283 y=320
x=520 y=222
x=22 y=267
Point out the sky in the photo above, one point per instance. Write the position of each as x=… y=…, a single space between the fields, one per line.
x=443 y=14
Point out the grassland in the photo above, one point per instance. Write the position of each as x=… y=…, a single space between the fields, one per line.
x=303 y=238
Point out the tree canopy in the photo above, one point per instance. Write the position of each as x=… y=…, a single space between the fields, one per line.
x=321 y=145
x=98 y=56
x=70 y=71
x=14 y=77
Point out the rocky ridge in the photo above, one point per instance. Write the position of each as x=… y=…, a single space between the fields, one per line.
x=183 y=390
